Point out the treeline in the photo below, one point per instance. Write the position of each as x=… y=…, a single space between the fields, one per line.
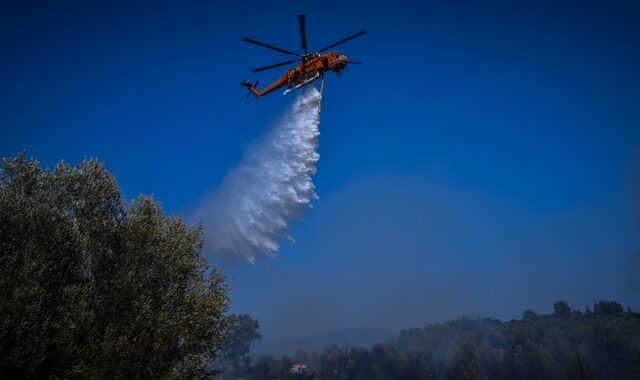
x=600 y=343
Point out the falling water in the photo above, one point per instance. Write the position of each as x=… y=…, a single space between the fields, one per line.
x=249 y=213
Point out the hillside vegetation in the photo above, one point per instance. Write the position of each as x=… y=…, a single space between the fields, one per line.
x=600 y=343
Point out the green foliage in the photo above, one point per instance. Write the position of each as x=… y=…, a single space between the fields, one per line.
x=91 y=287
x=240 y=335
x=267 y=367
x=558 y=346
x=286 y=363
x=561 y=309
x=529 y=314
x=607 y=307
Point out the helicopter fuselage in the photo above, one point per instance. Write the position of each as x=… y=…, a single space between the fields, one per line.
x=312 y=67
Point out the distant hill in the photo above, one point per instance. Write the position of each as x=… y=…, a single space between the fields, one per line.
x=351 y=338
x=603 y=342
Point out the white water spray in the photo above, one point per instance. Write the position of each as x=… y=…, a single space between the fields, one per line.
x=271 y=186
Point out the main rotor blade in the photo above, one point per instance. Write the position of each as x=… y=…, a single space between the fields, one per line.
x=303 y=32
x=275 y=65
x=245 y=39
x=343 y=40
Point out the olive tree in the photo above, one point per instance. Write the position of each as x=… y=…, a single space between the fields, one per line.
x=94 y=287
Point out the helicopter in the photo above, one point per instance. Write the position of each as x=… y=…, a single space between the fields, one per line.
x=312 y=66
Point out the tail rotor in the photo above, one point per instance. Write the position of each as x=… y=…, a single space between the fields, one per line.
x=251 y=87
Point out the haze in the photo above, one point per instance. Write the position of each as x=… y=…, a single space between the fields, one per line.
x=483 y=160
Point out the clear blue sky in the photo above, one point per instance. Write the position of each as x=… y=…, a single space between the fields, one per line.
x=480 y=162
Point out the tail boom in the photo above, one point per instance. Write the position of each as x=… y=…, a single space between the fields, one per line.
x=281 y=82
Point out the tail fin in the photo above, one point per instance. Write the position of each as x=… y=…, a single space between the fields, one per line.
x=252 y=89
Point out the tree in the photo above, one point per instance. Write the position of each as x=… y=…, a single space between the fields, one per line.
x=561 y=309
x=352 y=368
x=241 y=334
x=262 y=369
x=332 y=360
x=529 y=315
x=91 y=287
x=464 y=366
x=286 y=363
x=607 y=307
x=389 y=358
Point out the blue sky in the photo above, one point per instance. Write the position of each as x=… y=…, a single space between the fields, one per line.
x=482 y=160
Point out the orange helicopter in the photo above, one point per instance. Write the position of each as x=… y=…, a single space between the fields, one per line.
x=311 y=68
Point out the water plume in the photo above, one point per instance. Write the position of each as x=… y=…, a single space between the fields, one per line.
x=249 y=213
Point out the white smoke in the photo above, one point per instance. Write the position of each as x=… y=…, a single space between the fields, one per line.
x=271 y=186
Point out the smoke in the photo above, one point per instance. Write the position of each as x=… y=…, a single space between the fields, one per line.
x=249 y=212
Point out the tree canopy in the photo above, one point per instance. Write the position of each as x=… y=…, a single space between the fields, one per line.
x=242 y=333
x=94 y=287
